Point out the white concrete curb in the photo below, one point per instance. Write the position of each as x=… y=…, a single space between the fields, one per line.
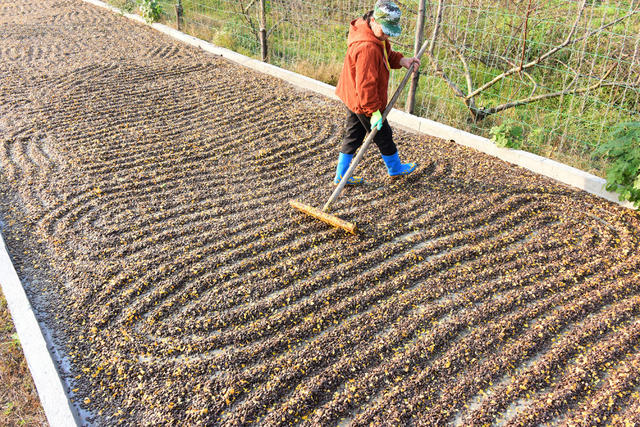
x=541 y=165
x=53 y=397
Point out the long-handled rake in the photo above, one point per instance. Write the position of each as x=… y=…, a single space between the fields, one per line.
x=323 y=214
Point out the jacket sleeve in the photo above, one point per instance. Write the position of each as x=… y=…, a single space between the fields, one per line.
x=367 y=73
x=394 y=57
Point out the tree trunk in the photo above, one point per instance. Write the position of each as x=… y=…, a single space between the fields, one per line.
x=411 y=98
x=263 y=30
x=179 y=15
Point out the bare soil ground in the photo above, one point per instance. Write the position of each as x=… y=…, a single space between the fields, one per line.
x=19 y=404
x=144 y=188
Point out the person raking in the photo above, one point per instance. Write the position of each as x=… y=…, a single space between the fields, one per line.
x=363 y=85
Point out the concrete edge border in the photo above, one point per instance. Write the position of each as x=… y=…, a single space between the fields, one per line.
x=51 y=391
x=541 y=165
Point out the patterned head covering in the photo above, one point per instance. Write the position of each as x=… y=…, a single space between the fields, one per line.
x=387 y=14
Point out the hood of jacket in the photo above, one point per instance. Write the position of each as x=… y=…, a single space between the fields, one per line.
x=360 y=32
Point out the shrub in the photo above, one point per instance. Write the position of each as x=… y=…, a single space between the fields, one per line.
x=151 y=11
x=623 y=148
x=508 y=134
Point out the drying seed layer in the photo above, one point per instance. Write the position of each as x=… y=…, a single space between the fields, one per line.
x=144 y=189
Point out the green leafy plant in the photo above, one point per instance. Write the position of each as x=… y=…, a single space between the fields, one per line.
x=623 y=147
x=537 y=139
x=151 y=10
x=14 y=342
x=508 y=134
x=9 y=408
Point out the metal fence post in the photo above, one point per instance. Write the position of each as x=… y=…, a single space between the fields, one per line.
x=411 y=97
x=179 y=15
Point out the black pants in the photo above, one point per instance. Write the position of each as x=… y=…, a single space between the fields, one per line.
x=357 y=127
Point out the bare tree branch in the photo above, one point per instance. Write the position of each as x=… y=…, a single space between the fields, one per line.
x=518 y=65
x=526 y=74
x=482 y=114
x=439 y=72
x=567 y=66
x=245 y=10
x=274 y=26
x=434 y=62
x=551 y=52
x=253 y=24
x=525 y=34
x=436 y=28
x=604 y=27
x=245 y=14
x=567 y=40
x=467 y=73
x=534 y=62
x=402 y=45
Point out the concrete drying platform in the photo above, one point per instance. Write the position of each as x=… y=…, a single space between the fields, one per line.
x=146 y=185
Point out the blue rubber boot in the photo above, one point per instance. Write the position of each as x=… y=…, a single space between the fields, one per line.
x=395 y=167
x=344 y=160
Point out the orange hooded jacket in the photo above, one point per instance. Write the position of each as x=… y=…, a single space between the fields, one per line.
x=364 y=78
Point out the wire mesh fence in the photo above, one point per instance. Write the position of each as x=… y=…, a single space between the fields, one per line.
x=550 y=76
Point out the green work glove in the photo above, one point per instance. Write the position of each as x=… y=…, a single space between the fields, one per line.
x=376 y=120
